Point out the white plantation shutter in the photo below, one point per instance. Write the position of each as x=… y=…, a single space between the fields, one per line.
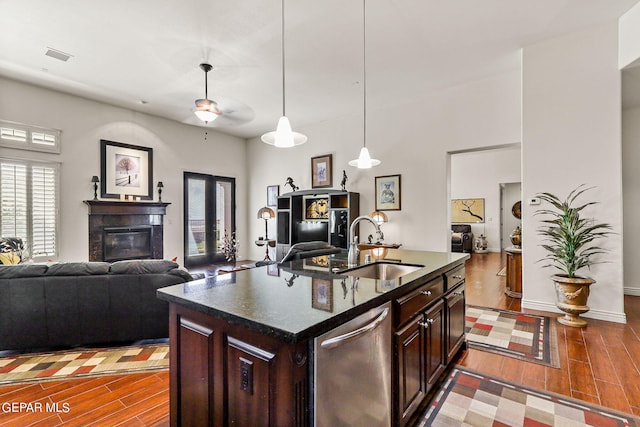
x=25 y=137
x=13 y=196
x=28 y=192
x=43 y=203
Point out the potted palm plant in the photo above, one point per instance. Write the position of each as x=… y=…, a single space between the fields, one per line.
x=570 y=242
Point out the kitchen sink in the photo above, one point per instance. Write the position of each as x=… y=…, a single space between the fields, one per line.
x=382 y=270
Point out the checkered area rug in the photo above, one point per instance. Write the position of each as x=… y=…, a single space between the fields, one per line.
x=82 y=363
x=523 y=336
x=475 y=400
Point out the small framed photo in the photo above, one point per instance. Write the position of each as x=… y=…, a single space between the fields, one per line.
x=273 y=270
x=321 y=171
x=322 y=294
x=388 y=193
x=273 y=191
x=125 y=169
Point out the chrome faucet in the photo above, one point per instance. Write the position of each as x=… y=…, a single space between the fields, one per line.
x=354 y=252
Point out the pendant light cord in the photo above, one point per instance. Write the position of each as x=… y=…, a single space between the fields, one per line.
x=206 y=86
x=364 y=70
x=283 y=97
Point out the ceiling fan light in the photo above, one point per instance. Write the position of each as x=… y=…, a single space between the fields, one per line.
x=364 y=161
x=283 y=136
x=206 y=110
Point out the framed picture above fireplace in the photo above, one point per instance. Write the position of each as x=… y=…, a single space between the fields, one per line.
x=126 y=171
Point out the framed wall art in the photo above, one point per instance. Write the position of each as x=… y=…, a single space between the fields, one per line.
x=273 y=191
x=388 y=193
x=322 y=294
x=125 y=170
x=465 y=211
x=321 y=171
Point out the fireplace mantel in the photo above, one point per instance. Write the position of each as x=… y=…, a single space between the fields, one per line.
x=115 y=213
x=116 y=207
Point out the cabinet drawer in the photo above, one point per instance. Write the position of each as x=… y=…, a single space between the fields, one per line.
x=407 y=306
x=455 y=276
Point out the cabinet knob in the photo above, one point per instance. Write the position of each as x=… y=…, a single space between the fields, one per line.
x=426 y=293
x=427 y=323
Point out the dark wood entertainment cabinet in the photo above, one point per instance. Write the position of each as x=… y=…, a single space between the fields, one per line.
x=321 y=214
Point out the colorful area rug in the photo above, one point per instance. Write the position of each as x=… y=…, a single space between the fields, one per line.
x=523 y=336
x=471 y=399
x=68 y=364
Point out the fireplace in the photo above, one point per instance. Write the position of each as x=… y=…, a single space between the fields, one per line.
x=125 y=230
x=121 y=243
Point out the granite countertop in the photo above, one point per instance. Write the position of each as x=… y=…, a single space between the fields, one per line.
x=302 y=299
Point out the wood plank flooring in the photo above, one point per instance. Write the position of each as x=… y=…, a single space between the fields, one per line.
x=597 y=365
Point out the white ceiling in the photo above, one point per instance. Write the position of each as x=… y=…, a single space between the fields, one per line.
x=126 y=51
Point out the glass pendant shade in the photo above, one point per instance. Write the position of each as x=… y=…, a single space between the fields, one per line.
x=206 y=110
x=364 y=161
x=283 y=136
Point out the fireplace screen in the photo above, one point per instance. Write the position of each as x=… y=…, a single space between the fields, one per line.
x=122 y=243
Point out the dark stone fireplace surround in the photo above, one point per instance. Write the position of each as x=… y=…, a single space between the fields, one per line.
x=106 y=216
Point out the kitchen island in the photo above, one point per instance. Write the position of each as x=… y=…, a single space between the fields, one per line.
x=244 y=345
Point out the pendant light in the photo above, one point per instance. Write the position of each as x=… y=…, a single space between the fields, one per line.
x=364 y=161
x=206 y=109
x=283 y=136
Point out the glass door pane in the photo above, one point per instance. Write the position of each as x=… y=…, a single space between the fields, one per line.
x=209 y=212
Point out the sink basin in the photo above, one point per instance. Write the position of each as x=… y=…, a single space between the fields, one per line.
x=382 y=270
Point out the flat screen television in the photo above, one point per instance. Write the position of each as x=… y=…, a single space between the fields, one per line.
x=310 y=231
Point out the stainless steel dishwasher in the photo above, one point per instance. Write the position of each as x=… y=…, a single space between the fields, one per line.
x=352 y=372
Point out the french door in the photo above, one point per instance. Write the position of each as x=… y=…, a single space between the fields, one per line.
x=209 y=213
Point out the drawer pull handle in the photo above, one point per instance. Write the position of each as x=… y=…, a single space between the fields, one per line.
x=427 y=323
x=426 y=293
x=456 y=276
x=458 y=293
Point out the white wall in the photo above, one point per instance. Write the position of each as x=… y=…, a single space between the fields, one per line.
x=571 y=135
x=629 y=36
x=176 y=148
x=412 y=140
x=631 y=194
x=478 y=174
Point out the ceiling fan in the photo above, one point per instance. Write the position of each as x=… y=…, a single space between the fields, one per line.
x=227 y=112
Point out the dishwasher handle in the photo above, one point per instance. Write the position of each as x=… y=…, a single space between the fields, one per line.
x=350 y=336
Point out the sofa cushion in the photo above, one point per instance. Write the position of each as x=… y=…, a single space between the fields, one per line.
x=22 y=270
x=142 y=266
x=78 y=269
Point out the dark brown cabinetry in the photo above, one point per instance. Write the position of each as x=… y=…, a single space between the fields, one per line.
x=223 y=375
x=429 y=332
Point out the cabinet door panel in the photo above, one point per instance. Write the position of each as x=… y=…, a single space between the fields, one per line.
x=196 y=350
x=410 y=348
x=435 y=343
x=249 y=383
x=455 y=321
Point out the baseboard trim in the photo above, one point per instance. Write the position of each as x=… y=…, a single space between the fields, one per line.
x=608 y=316
x=632 y=291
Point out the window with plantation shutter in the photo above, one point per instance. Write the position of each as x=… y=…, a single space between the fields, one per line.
x=29 y=195
x=17 y=135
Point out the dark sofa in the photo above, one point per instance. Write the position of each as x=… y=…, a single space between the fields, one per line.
x=71 y=304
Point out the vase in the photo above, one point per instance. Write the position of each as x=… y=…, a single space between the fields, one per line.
x=516 y=237
x=572 y=294
x=480 y=244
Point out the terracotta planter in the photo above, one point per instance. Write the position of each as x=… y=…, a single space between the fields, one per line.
x=572 y=295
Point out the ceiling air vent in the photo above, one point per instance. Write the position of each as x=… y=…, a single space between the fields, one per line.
x=58 y=54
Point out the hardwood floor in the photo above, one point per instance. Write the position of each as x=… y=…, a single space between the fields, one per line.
x=597 y=365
